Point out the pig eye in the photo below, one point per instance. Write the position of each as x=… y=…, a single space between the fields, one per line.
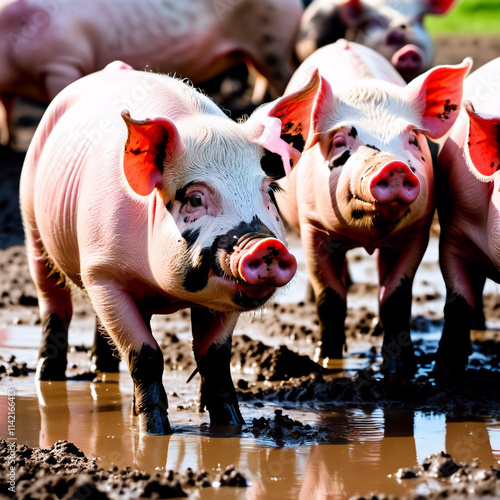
x=413 y=140
x=274 y=188
x=339 y=142
x=195 y=201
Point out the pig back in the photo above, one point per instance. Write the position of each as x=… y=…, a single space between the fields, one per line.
x=344 y=63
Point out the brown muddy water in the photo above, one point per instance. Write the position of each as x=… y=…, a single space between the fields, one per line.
x=354 y=450
x=371 y=444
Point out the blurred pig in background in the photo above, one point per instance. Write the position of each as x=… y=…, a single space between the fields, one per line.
x=48 y=44
x=391 y=27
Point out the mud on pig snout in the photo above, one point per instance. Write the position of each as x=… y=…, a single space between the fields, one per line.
x=395 y=183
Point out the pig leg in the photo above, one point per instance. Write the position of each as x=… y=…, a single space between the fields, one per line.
x=6 y=121
x=54 y=302
x=103 y=351
x=464 y=286
x=130 y=331
x=397 y=267
x=212 y=342
x=325 y=262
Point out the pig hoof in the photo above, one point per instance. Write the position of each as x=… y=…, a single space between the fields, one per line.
x=403 y=364
x=108 y=365
x=446 y=372
x=227 y=415
x=154 y=423
x=332 y=351
x=47 y=370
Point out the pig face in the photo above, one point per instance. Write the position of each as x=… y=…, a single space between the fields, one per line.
x=395 y=30
x=373 y=141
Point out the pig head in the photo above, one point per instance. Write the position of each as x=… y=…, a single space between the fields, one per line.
x=392 y=28
x=365 y=179
x=166 y=205
x=468 y=205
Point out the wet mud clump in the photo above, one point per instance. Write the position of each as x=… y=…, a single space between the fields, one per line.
x=11 y=368
x=64 y=472
x=283 y=430
x=458 y=480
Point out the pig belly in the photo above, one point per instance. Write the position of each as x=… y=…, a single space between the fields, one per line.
x=55 y=215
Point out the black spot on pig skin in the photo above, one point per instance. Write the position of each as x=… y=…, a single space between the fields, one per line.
x=372 y=147
x=191 y=235
x=296 y=141
x=340 y=160
x=272 y=164
x=196 y=277
x=447 y=109
x=180 y=194
x=353 y=133
x=254 y=228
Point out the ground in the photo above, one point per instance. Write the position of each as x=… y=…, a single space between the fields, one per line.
x=273 y=361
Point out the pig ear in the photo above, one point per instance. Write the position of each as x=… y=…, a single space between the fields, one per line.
x=438 y=94
x=481 y=148
x=287 y=123
x=350 y=12
x=149 y=143
x=321 y=116
x=437 y=6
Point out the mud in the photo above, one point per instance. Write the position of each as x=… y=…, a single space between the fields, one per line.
x=339 y=430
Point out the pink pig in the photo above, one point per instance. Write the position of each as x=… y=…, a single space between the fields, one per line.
x=392 y=28
x=47 y=44
x=468 y=206
x=365 y=179
x=165 y=205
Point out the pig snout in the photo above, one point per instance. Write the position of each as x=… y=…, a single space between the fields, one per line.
x=395 y=183
x=268 y=262
x=408 y=60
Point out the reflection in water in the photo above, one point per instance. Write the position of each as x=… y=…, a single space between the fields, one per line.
x=369 y=445
x=429 y=432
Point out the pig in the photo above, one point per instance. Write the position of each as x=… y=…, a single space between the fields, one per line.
x=51 y=43
x=150 y=208
x=391 y=27
x=467 y=183
x=365 y=179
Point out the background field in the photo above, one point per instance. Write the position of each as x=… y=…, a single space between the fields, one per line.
x=468 y=17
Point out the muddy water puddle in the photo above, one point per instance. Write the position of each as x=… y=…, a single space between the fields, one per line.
x=366 y=446
x=367 y=449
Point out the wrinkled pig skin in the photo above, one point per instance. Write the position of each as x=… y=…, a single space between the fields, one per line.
x=468 y=206
x=49 y=44
x=393 y=29
x=365 y=179
x=162 y=205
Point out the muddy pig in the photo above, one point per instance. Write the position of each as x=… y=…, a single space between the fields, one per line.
x=47 y=44
x=140 y=190
x=391 y=27
x=365 y=179
x=467 y=179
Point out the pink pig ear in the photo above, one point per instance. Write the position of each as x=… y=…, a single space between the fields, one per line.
x=350 y=12
x=149 y=142
x=481 y=148
x=437 y=6
x=287 y=123
x=438 y=94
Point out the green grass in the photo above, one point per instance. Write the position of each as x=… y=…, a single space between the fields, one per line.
x=468 y=17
